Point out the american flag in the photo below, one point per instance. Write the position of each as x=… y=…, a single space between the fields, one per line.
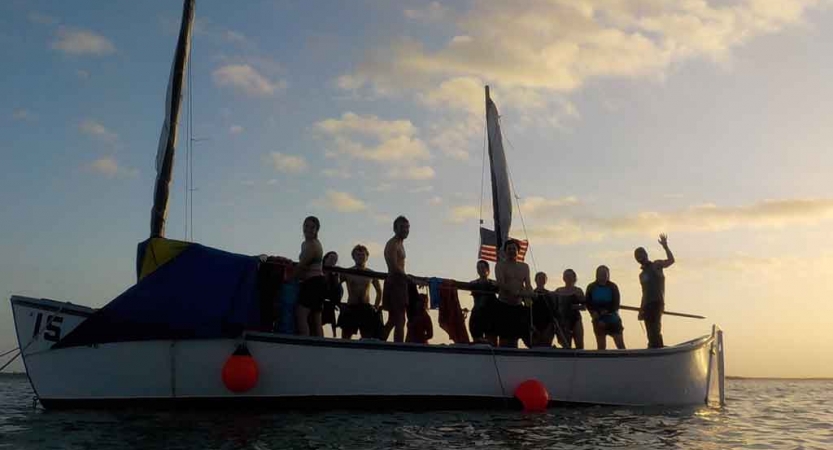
x=488 y=240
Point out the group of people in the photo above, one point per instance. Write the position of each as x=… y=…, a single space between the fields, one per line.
x=506 y=310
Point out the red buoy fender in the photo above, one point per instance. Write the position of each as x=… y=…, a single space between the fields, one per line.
x=240 y=371
x=533 y=395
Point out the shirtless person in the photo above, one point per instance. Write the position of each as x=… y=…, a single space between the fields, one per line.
x=395 y=296
x=312 y=285
x=652 y=280
x=512 y=316
x=358 y=315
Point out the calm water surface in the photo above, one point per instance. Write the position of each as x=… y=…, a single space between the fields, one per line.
x=760 y=414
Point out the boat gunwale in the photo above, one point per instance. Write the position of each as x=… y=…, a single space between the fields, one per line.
x=372 y=344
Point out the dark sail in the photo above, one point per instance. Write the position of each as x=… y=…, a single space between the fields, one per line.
x=167 y=139
x=501 y=192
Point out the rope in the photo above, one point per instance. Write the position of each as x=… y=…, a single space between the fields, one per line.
x=34 y=338
x=497 y=371
x=9 y=352
x=10 y=361
x=518 y=202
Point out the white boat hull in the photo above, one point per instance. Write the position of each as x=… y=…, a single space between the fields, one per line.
x=318 y=372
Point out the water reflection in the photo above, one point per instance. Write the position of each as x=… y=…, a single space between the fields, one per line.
x=758 y=415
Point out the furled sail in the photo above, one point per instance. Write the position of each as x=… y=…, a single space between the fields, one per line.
x=167 y=139
x=501 y=191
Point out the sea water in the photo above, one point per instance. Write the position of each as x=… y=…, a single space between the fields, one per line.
x=760 y=414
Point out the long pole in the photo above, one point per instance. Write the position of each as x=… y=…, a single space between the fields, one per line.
x=463 y=286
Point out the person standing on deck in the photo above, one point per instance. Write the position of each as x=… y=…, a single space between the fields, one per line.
x=543 y=314
x=395 y=295
x=570 y=301
x=652 y=280
x=482 y=319
x=312 y=287
x=359 y=315
x=602 y=300
x=334 y=292
x=511 y=315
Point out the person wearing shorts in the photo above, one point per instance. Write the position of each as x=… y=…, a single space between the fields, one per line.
x=312 y=287
x=602 y=300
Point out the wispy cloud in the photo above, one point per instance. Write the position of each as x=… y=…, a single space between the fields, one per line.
x=432 y=12
x=235 y=129
x=42 y=19
x=97 y=130
x=82 y=74
x=463 y=213
x=771 y=214
x=82 y=42
x=341 y=202
x=109 y=167
x=246 y=79
x=23 y=115
x=287 y=163
x=392 y=143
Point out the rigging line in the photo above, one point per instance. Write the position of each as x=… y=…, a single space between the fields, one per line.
x=190 y=211
x=9 y=362
x=518 y=203
x=9 y=352
x=482 y=184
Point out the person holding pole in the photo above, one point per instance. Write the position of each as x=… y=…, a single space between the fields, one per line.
x=652 y=280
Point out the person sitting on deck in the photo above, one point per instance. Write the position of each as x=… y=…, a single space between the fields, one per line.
x=358 y=314
x=420 y=327
x=312 y=285
x=543 y=313
x=335 y=291
x=511 y=315
x=570 y=300
x=652 y=280
x=482 y=319
x=395 y=295
x=602 y=300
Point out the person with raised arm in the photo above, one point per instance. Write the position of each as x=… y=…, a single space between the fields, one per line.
x=395 y=295
x=652 y=280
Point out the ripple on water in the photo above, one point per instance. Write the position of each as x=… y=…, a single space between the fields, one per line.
x=760 y=414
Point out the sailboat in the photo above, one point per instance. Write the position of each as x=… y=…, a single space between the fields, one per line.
x=169 y=339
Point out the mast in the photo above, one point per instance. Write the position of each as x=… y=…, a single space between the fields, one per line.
x=167 y=138
x=501 y=193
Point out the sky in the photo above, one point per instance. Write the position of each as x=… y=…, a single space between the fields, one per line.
x=707 y=120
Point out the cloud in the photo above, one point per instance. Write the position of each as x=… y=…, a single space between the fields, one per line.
x=235 y=129
x=392 y=143
x=557 y=46
x=421 y=189
x=463 y=213
x=98 y=131
x=341 y=202
x=432 y=12
x=354 y=124
x=82 y=74
x=563 y=233
x=771 y=214
x=235 y=37
x=42 y=19
x=80 y=42
x=110 y=167
x=711 y=217
x=247 y=79
x=411 y=173
x=436 y=200
x=23 y=114
x=337 y=173
x=287 y=163
x=541 y=206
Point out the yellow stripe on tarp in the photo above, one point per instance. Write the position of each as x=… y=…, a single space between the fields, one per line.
x=158 y=252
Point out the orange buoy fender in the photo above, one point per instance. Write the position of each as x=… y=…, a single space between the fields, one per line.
x=240 y=371
x=533 y=395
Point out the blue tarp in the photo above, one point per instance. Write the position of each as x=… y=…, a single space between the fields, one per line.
x=202 y=293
